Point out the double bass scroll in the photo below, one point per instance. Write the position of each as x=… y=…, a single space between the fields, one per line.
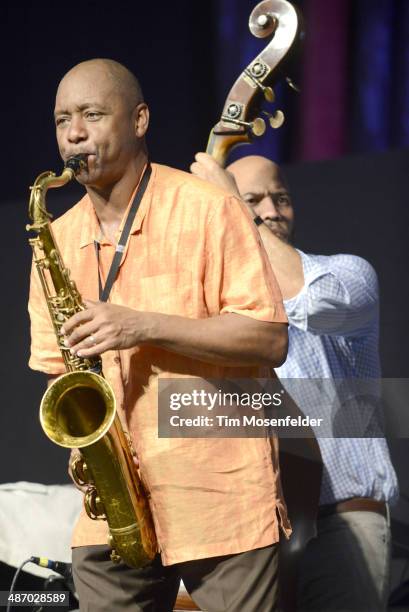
x=240 y=122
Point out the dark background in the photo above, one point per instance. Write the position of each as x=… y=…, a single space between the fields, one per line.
x=168 y=45
x=353 y=70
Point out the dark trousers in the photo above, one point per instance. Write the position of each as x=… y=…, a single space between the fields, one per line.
x=246 y=582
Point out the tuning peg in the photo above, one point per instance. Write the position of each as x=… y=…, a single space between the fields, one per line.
x=275 y=120
x=258 y=126
x=268 y=94
x=255 y=73
x=291 y=84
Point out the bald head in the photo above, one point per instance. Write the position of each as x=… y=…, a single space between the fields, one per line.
x=264 y=189
x=110 y=74
x=255 y=169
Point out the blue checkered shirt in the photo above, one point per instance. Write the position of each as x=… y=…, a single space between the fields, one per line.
x=333 y=334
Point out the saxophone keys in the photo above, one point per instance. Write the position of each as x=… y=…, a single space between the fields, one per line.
x=115 y=558
x=93 y=505
x=80 y=471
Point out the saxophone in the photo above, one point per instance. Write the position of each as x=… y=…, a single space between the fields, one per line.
x=78 y=409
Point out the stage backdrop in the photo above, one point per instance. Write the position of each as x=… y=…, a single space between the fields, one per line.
x=353 y=74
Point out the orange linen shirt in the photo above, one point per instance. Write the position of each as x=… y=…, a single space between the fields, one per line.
x=193 y=251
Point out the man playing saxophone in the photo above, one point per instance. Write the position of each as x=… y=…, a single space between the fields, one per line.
x=180 y=305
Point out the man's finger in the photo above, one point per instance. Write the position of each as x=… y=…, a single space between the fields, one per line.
x=197 y=170
x=206 y=159
x=89 y=342
x=81 y=333
x=78 y=319
x=94 y=351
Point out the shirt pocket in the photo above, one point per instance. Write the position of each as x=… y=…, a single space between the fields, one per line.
x=166 y=293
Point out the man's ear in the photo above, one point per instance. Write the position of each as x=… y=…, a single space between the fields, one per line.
x=141 y=119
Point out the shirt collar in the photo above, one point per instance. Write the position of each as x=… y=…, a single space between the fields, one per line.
x=91 y=231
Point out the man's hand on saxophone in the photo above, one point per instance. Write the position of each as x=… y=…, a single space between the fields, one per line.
x=103 y=327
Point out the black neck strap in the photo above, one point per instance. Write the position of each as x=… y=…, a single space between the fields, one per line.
x=120 y=247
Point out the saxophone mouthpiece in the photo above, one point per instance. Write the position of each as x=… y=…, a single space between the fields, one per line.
x=77 y=163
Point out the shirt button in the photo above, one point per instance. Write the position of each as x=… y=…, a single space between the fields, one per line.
x=116 y=360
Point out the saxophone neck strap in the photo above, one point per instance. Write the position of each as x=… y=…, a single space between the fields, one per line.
x=120 y=247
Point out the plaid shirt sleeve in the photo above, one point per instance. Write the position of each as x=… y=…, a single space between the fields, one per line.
x=339 y=297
